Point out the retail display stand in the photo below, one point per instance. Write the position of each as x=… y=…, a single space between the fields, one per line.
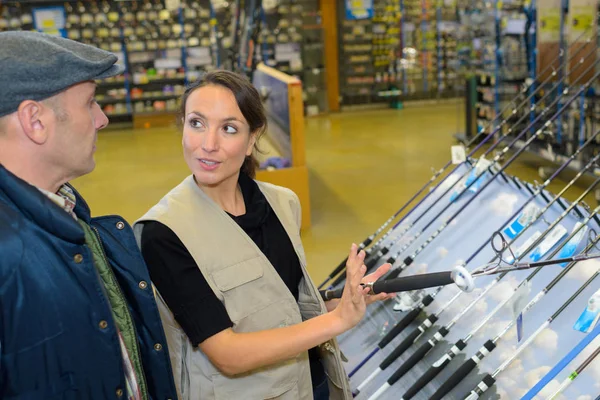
x=485 y=215
x=282 y=96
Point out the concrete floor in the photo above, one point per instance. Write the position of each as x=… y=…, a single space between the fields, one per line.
x=364 y=165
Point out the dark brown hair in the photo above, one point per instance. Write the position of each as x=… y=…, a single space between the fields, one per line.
x=248 y=100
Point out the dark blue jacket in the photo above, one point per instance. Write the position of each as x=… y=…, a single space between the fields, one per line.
x=57 y=335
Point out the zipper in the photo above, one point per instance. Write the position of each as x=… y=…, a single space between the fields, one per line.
x=136 y=343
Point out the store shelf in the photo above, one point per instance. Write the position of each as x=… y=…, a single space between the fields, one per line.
x=156 y=98
x=111 y=100
x=160 y=81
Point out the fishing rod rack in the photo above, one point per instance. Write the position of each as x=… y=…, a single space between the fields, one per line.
x=420 y=246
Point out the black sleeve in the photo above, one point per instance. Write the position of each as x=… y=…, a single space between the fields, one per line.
x=181 y=284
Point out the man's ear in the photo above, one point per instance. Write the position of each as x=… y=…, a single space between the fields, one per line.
x=33 y=117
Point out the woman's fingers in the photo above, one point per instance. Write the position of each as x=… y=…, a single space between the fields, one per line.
x=380 y=297
x=381 y=271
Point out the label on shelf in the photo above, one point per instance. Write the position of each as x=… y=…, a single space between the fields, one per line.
x=167 y=63
x=172 y=4
x=287 y=51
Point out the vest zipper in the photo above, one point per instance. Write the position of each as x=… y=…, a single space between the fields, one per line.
x=137 y=348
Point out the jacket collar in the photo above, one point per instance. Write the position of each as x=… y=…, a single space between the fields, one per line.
x=35 y=206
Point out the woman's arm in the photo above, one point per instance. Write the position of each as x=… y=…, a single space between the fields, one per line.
x=236 y=353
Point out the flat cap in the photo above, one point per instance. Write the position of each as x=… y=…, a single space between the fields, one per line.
x=36 y=66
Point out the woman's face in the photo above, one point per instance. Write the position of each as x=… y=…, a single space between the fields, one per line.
x=216 y=136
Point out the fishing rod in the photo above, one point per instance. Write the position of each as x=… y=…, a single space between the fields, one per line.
x=562 y=364
x=462 y=279
x=416 y=283
x=489 y=380
x=490 y=345
x=512 y=104
x=458 y=346
x=574 y=374
x=424 y=349
x=409 y=260
x=372 y=259
x=459 y=276
x=431 y=319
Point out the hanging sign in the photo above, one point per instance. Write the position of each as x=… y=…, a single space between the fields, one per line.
x=359 y=9
x=50 y=20
x=581 y=18
x=548 y=15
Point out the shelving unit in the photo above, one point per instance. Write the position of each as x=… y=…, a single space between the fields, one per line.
x=407 y=49
x=166 y=49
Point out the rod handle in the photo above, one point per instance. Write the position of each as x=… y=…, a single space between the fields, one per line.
x=411 y=362
x=454 y=379
x=434 y=370
x=413 y=282
x=372 y=261
x=400 y=349
x=338 y=269
x=399 y=327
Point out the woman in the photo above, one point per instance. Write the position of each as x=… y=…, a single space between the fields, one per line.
x=242 y=317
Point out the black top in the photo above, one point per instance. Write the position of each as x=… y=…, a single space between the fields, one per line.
x=185 y=290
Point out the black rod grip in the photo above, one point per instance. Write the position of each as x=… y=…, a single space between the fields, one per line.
x=339 y=280
x=454 y=379
x=487 y=382
x=411 y=362
x=413 y=282
x=370 y=263
x=435 y=369
x=399 y=327
x=400 y=349
x=427 y=377
x=393 y=274
x=367 y=242
x=338 y=269
x=403 y=284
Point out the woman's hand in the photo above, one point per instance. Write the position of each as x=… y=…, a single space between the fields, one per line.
x=372 y=277
x=353 y=303
x=381 y=271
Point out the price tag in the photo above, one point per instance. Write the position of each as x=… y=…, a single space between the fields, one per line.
x=458 y=154
x=589 y=317
x=517 y=305
x=549 y=242
x=482 y=165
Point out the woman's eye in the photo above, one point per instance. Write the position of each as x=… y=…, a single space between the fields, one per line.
x=230 y=129
x=195 y=123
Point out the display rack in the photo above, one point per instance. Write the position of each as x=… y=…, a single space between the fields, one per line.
x=164 y=49
x=282 y=95
x=291 y=41
x=399 y=50
x=370 y=341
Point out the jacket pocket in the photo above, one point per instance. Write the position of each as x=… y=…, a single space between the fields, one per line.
x=58 y=390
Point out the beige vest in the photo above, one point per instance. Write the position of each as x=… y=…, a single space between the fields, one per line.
x=253 y=293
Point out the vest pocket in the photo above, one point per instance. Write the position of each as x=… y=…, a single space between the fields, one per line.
x=238 y=274
x=259 y=385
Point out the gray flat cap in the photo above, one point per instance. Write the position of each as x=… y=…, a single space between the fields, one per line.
x=35 y=66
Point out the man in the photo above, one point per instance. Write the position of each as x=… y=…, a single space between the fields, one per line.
x=78 y=318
